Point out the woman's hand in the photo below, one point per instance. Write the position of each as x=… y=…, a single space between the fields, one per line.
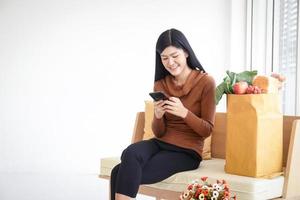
x=159 y=109
x=175 y=107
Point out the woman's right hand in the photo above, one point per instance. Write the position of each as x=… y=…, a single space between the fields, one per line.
x=159 y=109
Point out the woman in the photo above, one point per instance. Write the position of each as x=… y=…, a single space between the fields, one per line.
x=180 y=124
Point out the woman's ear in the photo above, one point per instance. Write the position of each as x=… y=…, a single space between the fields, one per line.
x=186 y=54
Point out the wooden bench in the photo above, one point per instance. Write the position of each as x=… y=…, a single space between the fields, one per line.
x=291 y=155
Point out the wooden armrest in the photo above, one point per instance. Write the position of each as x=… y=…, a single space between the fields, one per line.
x=138 y=130
x=292 y=176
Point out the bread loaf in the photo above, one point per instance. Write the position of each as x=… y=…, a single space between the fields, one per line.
x=266 y=83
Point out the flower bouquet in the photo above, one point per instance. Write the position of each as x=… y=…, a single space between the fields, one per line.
x=206 y=191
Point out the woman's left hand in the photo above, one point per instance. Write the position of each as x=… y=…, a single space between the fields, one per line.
x=175 y=107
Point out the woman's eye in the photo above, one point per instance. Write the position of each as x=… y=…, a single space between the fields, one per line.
x=164 y=58
x=175 y=56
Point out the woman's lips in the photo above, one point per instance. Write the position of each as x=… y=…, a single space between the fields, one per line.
x=173 y=68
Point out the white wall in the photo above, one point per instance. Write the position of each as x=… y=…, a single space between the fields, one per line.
x=73 y=73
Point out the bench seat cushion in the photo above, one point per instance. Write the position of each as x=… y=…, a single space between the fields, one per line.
x=245 y=187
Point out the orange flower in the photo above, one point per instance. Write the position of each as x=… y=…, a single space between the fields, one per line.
x=204 y=178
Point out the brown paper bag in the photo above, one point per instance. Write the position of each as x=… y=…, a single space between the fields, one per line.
x=254 y=142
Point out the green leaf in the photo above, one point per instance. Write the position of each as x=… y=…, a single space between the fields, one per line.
x=220 y=90
x=233 y=80
x=228 y=88
x=246 y=76
x=231 y=75
x=228 y=85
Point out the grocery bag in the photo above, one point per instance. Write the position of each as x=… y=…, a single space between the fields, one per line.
x=254 y=140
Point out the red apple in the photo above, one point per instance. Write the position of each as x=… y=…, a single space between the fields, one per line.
x=240 y=87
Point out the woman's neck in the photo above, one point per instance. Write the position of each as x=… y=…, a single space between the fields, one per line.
x=181 y=78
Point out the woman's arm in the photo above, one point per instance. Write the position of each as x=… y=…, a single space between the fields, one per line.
x=158 y=126
x=204 y=125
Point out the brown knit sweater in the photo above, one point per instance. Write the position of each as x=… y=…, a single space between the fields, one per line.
x=198 y=96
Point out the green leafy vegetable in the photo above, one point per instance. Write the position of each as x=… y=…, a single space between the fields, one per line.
x=226 y=86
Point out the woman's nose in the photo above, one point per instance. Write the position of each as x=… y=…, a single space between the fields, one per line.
x=170 y=61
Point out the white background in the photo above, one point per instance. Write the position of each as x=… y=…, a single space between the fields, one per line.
x=73 y=74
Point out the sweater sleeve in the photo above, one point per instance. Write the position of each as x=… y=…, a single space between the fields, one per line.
x=158 y=125
x=203 y=125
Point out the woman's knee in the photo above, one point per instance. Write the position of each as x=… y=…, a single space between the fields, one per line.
x=129 y=153
x=135 y=151
x=114 y=171
x=139 y=152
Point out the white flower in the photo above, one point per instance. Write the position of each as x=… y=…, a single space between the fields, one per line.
x=186 y=194
x=214 y=198
x=204 y=187
x=218 y=188
x=215 y=194
x=201 y=196
x=215 y=186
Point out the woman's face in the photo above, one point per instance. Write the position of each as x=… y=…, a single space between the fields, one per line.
x=174 y=60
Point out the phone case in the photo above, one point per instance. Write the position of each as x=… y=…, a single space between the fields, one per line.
x=158 y=96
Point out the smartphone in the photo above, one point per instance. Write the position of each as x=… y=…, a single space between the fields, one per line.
x=156 y=96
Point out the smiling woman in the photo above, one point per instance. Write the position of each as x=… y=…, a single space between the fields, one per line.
x=180 y=124
x=174 y=60
x=174 y=52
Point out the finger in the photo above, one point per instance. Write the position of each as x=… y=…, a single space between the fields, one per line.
x=162 y=107
x=174 y=99
x=167 y=102
x=171 y=112
x=169 y=108
x=159 y=103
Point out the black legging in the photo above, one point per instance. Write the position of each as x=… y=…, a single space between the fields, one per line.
x=148 y=162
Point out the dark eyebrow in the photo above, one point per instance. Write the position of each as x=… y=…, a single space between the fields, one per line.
x=171 y=54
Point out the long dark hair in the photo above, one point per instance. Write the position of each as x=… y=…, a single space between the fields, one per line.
x=173 y=37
